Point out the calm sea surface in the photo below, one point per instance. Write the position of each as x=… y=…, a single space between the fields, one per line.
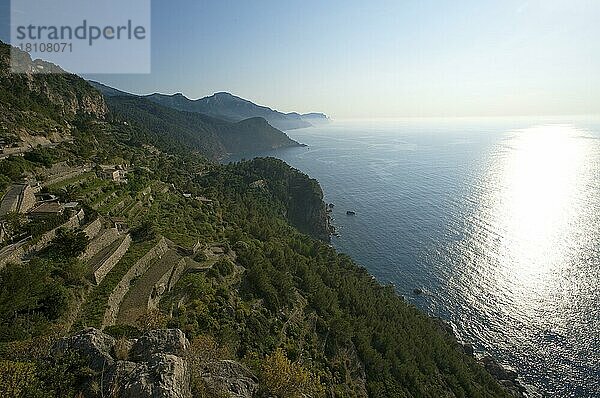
x=496 y=220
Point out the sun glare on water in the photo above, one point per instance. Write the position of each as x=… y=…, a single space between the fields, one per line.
x=537 y=203
x=530 y=254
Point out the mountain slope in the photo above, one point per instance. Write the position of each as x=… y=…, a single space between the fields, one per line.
x=38 y=109
x=109 y=91
x=229 y=107
x=212 y=137
x=226 y=106
x=251 y=293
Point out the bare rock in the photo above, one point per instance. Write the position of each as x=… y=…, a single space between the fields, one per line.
x=468 y=349
x=154 y=368
x=498 y=371
x=164 y=376
x=167 y=341
x=90 y=343
x=231 y=378
x=507 y=378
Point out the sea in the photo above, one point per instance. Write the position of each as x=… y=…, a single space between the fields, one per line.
x=494 y=221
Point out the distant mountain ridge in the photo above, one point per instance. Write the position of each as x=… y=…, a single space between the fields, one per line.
x=215 y=138
x=46 y=109
x=226 y=106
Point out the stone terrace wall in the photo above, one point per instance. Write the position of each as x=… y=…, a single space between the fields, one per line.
x=19 y=198
x=73 y=222
x=93 y=228
x=107 y=237
x=176 y=275
x=65 y=174
x=11 y=256
x=165 y=283
x=27 y=199
x=112 y=260
x=138 y=269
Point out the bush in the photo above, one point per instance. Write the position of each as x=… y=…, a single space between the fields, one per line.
x=224 y=267
x=200 y=257
x=151 y=320
x=283 y=378
x=29 y=300
x=41 y=156
x=145 y=232
x=67 y=244
x=16 y=378
x=118 y=331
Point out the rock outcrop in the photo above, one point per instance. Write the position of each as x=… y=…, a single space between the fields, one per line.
x=152 y=366
x=170 y=341
x=230 y=377
x=70 y=94
x=158 y=364
x=41 y=103
x=92 y=344
x=506 y=377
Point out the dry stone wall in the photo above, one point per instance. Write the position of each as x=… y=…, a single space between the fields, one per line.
x=93 y=229
x=165 y=283
x=11 y=256
x=73 y=222
x=112 y=260
x=137 y=270
x=106 y=238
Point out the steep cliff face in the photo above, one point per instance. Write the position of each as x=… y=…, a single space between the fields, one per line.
x=69 y=93
x=44 y=100
x=306 y=209
x=300 y=195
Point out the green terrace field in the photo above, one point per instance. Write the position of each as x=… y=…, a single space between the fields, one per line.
x=259 y=280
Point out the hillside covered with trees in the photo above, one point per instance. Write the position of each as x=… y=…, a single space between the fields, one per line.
x=135 y=231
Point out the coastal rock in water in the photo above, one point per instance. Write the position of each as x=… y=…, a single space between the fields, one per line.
x=497 y=370
x=468 y=349
x=507 y=378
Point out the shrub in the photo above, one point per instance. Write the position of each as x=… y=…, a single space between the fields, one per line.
x=118 y=331
x=68 y=243
x=16 y=378
x=224 y=267
x=283 y=378
x=151 y=320
x=144 y=232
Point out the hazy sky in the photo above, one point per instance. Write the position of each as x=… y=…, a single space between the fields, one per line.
x=380 y=58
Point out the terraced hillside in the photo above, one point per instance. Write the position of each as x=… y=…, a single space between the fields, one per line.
x=216 y=251
x=148 y=286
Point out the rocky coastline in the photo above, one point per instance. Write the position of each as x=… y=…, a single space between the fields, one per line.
x=504 y=375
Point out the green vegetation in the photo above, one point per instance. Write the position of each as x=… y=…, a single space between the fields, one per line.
x=211 y=137
x=96 y=303
x=265 y=290
x=35 y=295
